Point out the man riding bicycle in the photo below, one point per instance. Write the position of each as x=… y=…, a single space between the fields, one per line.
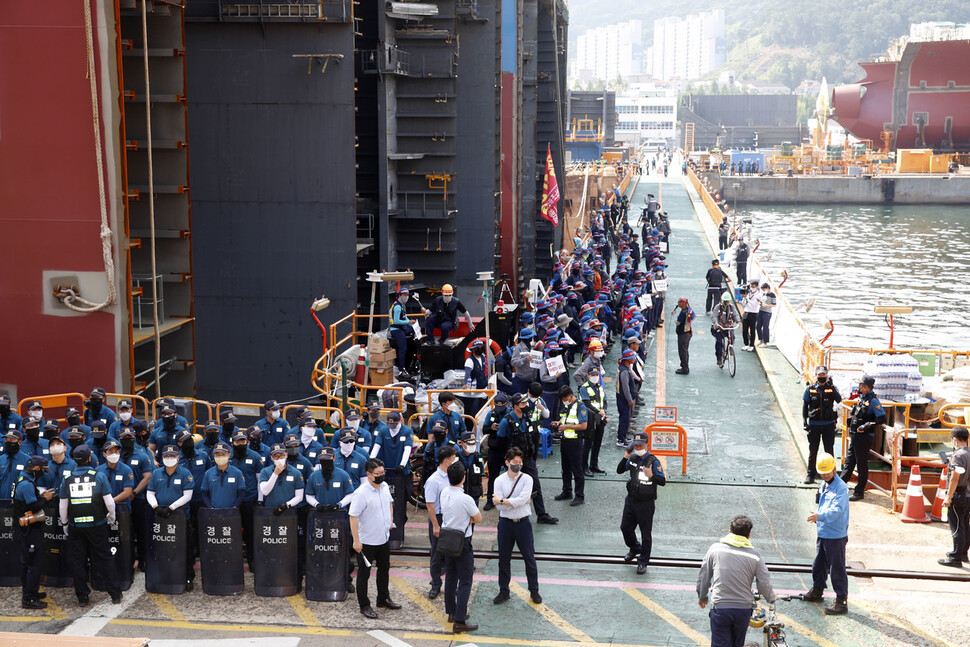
x=725 y=318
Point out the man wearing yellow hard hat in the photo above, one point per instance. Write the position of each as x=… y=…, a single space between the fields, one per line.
x=443 y=314
x=831 y=518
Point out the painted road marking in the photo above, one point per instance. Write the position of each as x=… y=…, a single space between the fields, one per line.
x=423 y=603
x=805 y=631
x=205 y=626
x=549 y=615
x=92 y=622
x=300 y=606
x=56 y=613
x=387 y=638
x=165 y=606
x=414 y=635
x=670 y=618
x=228 y=642
x=903 y=624
x=25 y=618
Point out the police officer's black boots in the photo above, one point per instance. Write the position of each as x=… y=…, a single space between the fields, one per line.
x=838 y=607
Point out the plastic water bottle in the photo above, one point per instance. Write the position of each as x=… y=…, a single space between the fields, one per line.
x=943 y=515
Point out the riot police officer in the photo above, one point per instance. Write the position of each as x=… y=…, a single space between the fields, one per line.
x=573 y=423
x=818 y=417
x=646 y=474
x=280 y=484
x=12 y=462
x=329 y=487
x=96 y=409
x=222 y=486
x=86 y=508
x=349 y=458
x=365 y=430
x=142 y=464
x=33 y=444
x=474 y=465
x=439 y=438
x=274 y=426
x=9 y=419
x=522 y=432
x=171 y=488
x=250 y=464
x=593 y=396
x=29 y=502
x=866 y=415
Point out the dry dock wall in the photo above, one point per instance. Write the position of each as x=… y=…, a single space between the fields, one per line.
x=895 y=189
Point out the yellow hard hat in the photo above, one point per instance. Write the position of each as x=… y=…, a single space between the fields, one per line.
x=595 y=344
x=447 y=289
x=825 y=463
x=758 y=617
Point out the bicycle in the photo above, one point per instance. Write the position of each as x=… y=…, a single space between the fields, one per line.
x=727 y=349
x=772 y=628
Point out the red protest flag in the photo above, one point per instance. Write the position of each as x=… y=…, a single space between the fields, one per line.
x=550 y=191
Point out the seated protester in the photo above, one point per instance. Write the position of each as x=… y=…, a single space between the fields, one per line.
x=474 y=466
x=329 y=487
x=74 y=420
x=96 y=409
x=438 y=439
x=171 y=489
x=280 y=484
x=210 y=437
x=165 y=433
x=309 y=447
x=120 y=477
x=447 y=414
x=350 y=459
x=222 y=486
x=273 y=426
x=125 y=419
x=33 y=444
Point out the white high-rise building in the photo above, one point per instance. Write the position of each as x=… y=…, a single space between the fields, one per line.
x=608 y=52
x=646 y=112
x=688 y=48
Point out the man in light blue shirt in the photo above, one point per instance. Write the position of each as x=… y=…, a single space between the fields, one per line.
x=433 y=487
x=458 y=512
x=371 y=519
x=832 y=520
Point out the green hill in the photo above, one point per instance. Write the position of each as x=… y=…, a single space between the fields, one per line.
x=785 y=41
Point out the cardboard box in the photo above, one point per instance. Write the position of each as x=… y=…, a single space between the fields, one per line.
x=381 y=377
x=384 y=365
x=378 y=345
x=383 y=357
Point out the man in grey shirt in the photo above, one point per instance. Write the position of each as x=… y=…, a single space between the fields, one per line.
x=458 y=512
x=729 y=568
x=525 y=374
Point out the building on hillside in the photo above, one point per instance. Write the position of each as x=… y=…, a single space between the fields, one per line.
x=609 y=52
x=688 y=48
x=646 y=111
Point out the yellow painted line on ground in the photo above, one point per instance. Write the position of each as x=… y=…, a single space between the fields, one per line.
x=165 y=606
x=669 y=617
x=550 y=615
x=25 y=618
x=306 y=615
x=423 y=602
x=56 y=613
x=903 y=624
x=798 y=627
x=475 y=638
x=206 y=626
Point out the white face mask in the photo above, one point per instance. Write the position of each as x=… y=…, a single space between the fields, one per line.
x=112 y=458
x=222 y=461
x=353 y=424
x=394 y=428
x=57 y=450
x=446 y=406
x=308 y=432
x=447 y=299
x=346 y=449
x=170 y=461
x=274 y=415
x=37 y=414
x=640 y=452
x=598 y=354
x=279 y=462
x=125 y=415
x=470 y=449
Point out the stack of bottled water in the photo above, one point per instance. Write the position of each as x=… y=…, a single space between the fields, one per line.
x=897 y=376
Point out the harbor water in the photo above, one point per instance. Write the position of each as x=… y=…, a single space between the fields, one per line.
x=846 y=258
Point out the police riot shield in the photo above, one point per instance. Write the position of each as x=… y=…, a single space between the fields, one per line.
x=398 y=483
x=165 y=571
x=9 y=548
x=276 y=540
x=119 y=543
x=54 y=569
x=327 y=555
x=220 y=551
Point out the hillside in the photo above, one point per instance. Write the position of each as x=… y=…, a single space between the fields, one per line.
x=785 y=40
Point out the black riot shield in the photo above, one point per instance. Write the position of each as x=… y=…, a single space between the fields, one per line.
x=165 y=571
x=398 y=483
x=9 y=548
x=220 y=551
x=327 y=555
x=276 y=555
x=54 y=569
x=119 y=541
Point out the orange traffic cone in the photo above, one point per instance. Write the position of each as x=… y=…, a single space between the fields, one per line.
x=936 y=514
x=914 y=509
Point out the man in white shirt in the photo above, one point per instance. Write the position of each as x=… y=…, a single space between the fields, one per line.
x=458 y=512
x=751 y=302
x=371 y=518
x=513 y=492
x=433 y=488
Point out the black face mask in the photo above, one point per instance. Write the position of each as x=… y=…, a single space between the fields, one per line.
x=500 y=410
x=823 y=380
x=254 y=443
x=188 y=448
x=74 y=420
x=74 y=442
x=5 y=410
x=439 y=437
x=379 y=479
x=33 y=434
x=228 y=428
x=11 y=449
x=99 y=440
x=211 y=437
x=127 y=444
x=143 y=440
x=479 y=351
x=240 y=451
x=291 y=453
x=95 y=407
x=169 y=423
x=326 y=468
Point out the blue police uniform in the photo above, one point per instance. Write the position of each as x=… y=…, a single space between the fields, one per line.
x=640 y=503
x=287 y=483
x=105 y=414
x=140 y=461
x=497 y=446
x=100 y=488
x=84 y=490
x=160 y=438
x=392 y=447
x=10 y=422
x=197 y=466
x=10 y=469
x=168 y=488
x=453 y=419
x=304 y=467
x=119 y=477
x=332 y=491
x=180 y=421
x=250 y=465
x=367 y=432
x=115 y=427
x=26 y=497
x=56 y=473
x=571 y=447
x=84 y=428
x=353 y=465
x=223 y=488
x=37 y=447
x=273 y=432
x=866 y=414
x=311 y=452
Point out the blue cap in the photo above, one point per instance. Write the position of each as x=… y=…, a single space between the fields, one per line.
x=527 y=333
x=81 y=452
x=183 y=436
x=353 y=414
x=221 y=447
x=326 y=454
x=290 y=441
x=278 y=448
x=239 y=435
x=347 y=434
x=439 y=425
x=110 y=444
x=628 y=355
x=168 y=450
x=468 y=436
x=640 y=437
